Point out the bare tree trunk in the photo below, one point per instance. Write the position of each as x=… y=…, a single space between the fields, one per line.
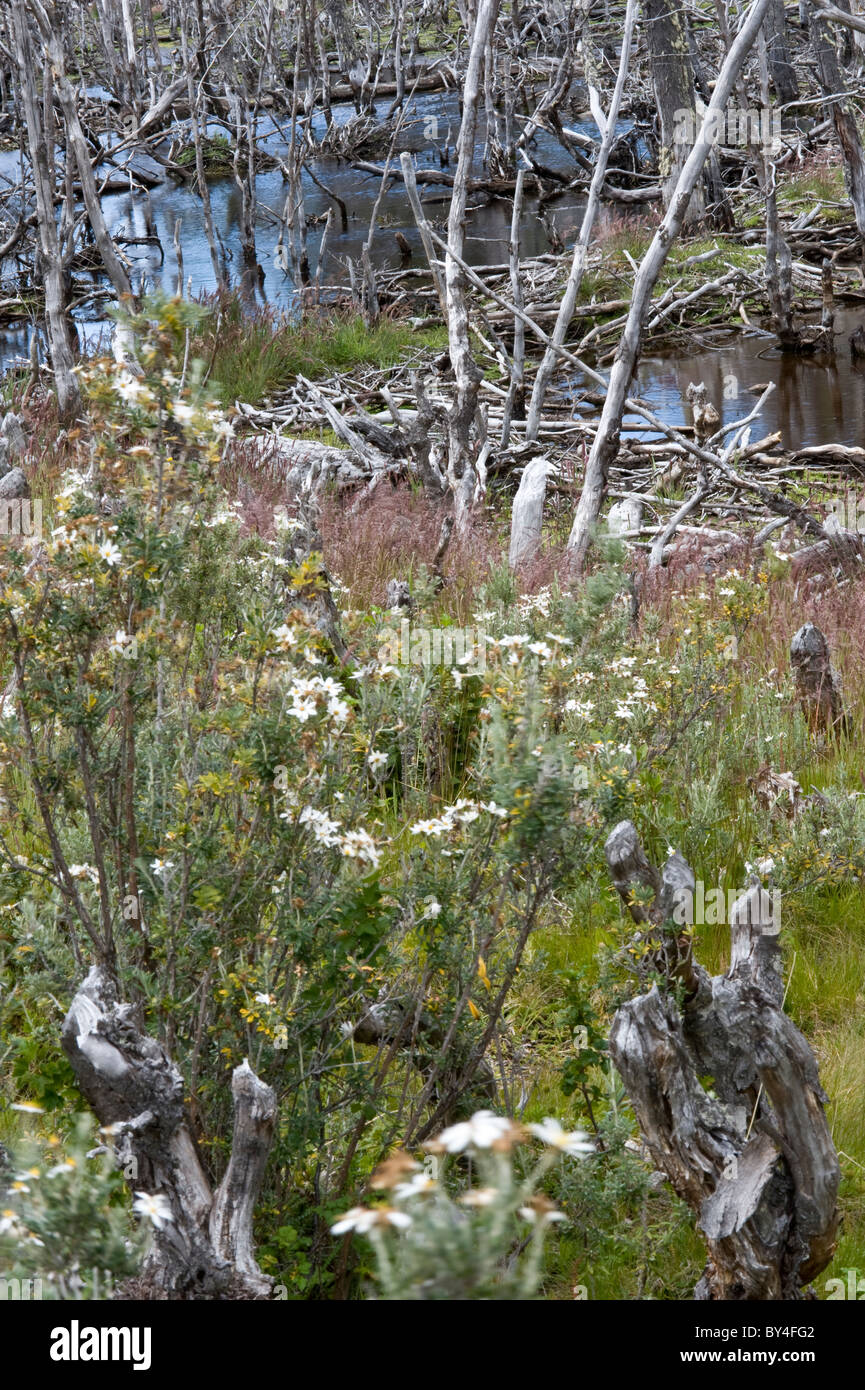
x=832 y=83
x=673 y=84
x=606 y=441
x=468 y=376
x=782 y=70
x=42 y=165
x=77 y=144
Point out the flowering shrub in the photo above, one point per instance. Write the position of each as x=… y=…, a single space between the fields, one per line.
x=485 y=1241
x=63 y=1224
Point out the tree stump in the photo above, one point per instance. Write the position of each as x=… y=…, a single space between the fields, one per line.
x=750 y=1149
x=136 y=1090
x=817 y=685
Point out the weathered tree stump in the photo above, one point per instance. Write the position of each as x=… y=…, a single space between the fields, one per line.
x=752 y=1156
x=817 y=685
x=133 y=1086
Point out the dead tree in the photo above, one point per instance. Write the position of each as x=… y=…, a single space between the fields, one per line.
x=832 y=84
x=462 y=476
x=753 y=1155
x=673 y=85
x=528 y=508
x=606 y=441
x=205 y=1251
x=817 y=685
x=41 y=148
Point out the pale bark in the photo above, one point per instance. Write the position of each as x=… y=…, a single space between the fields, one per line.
x=753 y=1157
x=606 y=442
x=42 y=166
x=136 y=1091
x=462 y=477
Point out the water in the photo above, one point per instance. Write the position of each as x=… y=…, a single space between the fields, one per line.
x=813 y=403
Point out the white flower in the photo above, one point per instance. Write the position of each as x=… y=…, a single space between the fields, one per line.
x=482 y=1131
x=375 y=759
x=79 y=871
x=110 y=553
x=161 y=866
x=574 y=1143
x=264 y=999
x=419 y=1185
x=338 y=710
x=182 y=412
x=325 y=830
x=581 y=708
x=433 y=909
x=358 y=844
x=153 y=1207
x=544 y=1216
x=540 y=649
x=479 y=1197
x=284 y=637
x=27 y=1107
x=364 y=1219
x=129 y=388
x=120 y=645
x=765 y=866
x=430 y=827
x=65 y=1167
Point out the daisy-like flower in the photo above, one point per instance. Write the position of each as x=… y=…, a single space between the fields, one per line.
x=429 y=827
x=362 y=1220
x=162 y=866
x=551 y=1133
x=264 y=998
x=79 y=871
x=358 y=844
x=120 y=645
x=110 y=553
x=479 y=1197
x=130 y=389
x=541 y=1210
x=27 y=1107
x=421 y=1185
x=67 y=1166
x=285 y=637
x=153 y=1207
x=182 y=412
x=8 y=1222
x=581 y=708
x=376 y=759
x=483 y=1131
x=393 y=1169
x=338 y=710
x=541 y=649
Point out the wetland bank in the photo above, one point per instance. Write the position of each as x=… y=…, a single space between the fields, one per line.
x=539 y=322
